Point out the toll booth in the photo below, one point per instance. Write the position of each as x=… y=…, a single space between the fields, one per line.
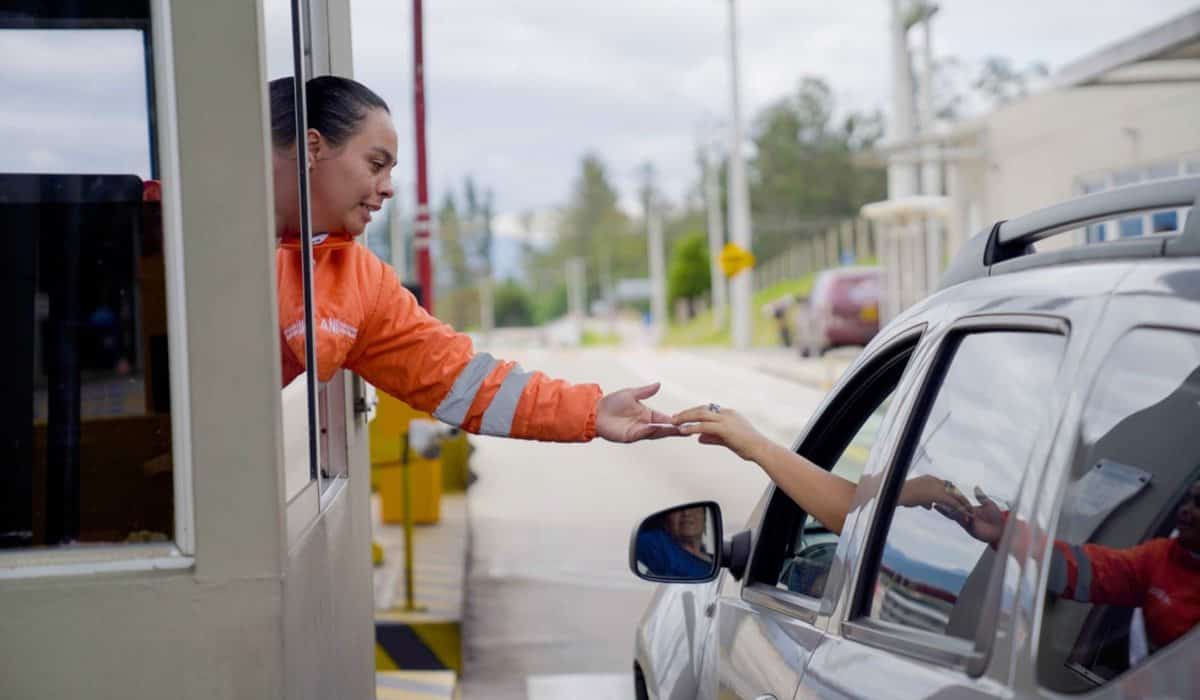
x=172 y=523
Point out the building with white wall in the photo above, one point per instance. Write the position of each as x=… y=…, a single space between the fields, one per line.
x=1126 y=113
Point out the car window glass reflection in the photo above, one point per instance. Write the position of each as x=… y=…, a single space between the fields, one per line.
x=1124 y=577
x=975 y=444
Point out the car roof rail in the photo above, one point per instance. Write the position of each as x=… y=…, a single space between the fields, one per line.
x=1008 y=245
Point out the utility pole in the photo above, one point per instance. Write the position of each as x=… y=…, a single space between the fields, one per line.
x=396 y=239
x=716 y=233
x=931 y=166
x=654 y=249
x=739 y=210
x=487 y=284
x=902 y=180
x=422 y=231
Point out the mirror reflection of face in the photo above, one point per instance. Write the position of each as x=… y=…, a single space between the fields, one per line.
x=686 y=523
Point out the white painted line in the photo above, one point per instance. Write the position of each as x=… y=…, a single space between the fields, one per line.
x=581 y=686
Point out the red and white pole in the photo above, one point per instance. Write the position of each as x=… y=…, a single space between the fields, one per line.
x=423 y=229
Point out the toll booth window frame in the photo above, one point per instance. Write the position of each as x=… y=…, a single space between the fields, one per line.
x=152 y=19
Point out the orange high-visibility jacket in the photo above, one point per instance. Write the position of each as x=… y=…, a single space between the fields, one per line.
x=367 y=322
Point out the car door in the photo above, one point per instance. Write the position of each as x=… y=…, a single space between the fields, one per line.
x=917 y=607
x=1124 y=503
x=765 y=629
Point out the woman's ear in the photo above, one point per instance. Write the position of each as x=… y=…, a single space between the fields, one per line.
x=316 y=145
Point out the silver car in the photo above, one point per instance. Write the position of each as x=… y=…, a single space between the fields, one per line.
x=1059 y=393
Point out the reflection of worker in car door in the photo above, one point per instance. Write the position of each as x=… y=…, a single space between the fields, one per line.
x=1162 y=575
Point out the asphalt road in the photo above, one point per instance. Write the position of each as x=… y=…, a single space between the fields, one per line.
x=551 y=606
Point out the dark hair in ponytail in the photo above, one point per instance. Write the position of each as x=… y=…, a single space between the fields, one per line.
x=336 y=106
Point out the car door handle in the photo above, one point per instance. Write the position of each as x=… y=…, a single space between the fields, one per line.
x=768 y=696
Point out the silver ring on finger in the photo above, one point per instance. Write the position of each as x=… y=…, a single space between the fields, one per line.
x=714 y=408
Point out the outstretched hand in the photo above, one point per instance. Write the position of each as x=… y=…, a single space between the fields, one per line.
x=984 y=522
x=718 y=425
x=621 y=416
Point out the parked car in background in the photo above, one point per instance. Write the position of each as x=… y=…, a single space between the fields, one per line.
x=1058 y=392
x=843 y=309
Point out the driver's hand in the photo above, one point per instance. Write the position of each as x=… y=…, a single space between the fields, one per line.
x=723 y=426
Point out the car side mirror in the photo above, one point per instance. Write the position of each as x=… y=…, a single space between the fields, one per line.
x=679 y=545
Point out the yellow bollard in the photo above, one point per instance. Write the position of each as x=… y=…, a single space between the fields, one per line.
x=409 y=585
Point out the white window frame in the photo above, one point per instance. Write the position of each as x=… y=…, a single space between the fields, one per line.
x=179 y=555
x=1186 y=164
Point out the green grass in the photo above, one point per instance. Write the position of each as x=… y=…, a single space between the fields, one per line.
x=596 y=338
x=764 y=332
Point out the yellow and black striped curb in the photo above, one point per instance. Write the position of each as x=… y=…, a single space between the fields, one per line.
x=418 y=646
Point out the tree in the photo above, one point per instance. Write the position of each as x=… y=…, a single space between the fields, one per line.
x=802 y=176
x=1000 y=82
x=593 y=227
x=688 y=273
x=513 y=305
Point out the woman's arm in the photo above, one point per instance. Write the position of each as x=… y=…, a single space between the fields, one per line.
x=820 y=493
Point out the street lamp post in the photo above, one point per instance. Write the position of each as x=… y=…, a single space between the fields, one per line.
x=739 y=211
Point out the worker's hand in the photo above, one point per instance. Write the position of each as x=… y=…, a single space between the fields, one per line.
x=927 y=490
x=984 y=522
x=621 y=416
x=718 y=425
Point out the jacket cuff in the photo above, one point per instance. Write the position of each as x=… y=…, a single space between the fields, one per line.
x=589 y=427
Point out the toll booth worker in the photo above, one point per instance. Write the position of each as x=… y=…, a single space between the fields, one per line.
x=368 y=323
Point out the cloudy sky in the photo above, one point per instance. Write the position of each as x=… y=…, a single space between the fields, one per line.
x=518 y=91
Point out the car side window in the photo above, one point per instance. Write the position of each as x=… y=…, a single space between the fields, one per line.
x=814 y=545
x=935 y=541
x=795 y=550
x=1124 y=566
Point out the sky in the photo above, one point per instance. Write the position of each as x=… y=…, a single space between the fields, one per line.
x=518 y=91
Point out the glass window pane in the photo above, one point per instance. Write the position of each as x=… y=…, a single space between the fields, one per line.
x=1162 y=170
x=1131 y=514
x=973 y=447
x=85 y=427
x=1164 y=222
x=1130 y=227
x=1096 y=233
x=300 y=468
x=805 y=571
x=1126 y=177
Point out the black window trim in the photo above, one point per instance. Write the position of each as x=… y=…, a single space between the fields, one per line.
x=755 y=590
x=970 y=658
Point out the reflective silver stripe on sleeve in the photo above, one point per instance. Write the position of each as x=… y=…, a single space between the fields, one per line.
x=498 y=418
x=454 y=407
x=1058 y=572
x=1083 y=578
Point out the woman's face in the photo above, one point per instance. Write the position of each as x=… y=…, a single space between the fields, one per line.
x=346 y=183
x=686 y=524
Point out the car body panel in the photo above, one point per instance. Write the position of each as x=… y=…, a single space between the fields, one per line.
x=764 y=641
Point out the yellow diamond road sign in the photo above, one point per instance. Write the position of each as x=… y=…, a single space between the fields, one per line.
x=734 y=259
